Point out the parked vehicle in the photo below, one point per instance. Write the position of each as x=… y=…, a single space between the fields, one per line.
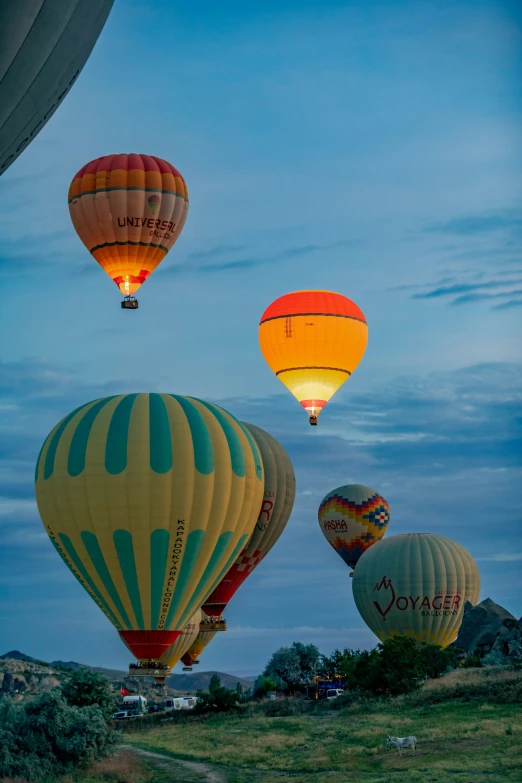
x=179 y=703
x=333 y=693
x=124 y=714
x=135 y=701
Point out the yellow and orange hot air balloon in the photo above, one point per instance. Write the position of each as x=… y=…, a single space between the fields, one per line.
x=128 y=210
x=313 y=341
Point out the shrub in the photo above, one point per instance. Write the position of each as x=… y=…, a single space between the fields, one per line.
x=264 y=685
x=218 y=698
x=47 y=736
x=86 y=688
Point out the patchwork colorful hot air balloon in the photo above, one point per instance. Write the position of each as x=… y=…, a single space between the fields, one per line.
x=44 y=45
x=207 y=631
x=352 y=518
x=149 y=498
x=313 y=341
x=278 y=501
x=128 y=210
x=416 y=584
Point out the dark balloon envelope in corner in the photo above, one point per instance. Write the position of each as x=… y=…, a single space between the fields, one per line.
x=44 y=45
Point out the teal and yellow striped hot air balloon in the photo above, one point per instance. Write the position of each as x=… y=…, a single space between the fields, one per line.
x=149 y=498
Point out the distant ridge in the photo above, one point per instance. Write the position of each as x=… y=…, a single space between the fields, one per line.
x=16 y=655
x=196 y=681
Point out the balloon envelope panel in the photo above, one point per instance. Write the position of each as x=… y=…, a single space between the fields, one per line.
x=278 y=501
x=313 y=341
x=44 y=45
x=149 y=498
x=184 y=641
x=352 y=518
x=416 y=584
x=201 y=641
x=128 y=210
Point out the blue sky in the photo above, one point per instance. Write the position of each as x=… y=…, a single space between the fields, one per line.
x=371 y=148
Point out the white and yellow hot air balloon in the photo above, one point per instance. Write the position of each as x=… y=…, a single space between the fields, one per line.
x=415 y=584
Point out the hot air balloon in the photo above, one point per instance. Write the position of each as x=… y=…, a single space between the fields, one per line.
x=149 y=498
x=278 y=501
x=44 y=45
x=313 y=341
x=416 y=584
x=207 y=631
x=352 y=518
x=128 y=210
x=187 y=636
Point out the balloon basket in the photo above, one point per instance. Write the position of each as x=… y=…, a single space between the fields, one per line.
x=148 y=670
x=313 y=421
x=187 y=669
x=129 y=303
x=213 y=625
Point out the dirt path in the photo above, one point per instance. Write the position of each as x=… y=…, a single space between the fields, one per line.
x=204 y=772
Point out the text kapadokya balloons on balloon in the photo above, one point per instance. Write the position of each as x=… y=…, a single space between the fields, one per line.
x=416 y=584
x=352 y=518
x=313 y=341
x=207 y=631
x=128 y=210
x=149 y=498
x=44 y=45
x=278 y=501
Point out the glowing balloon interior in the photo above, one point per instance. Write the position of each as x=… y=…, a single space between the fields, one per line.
x=128 y=210
x=313 y=341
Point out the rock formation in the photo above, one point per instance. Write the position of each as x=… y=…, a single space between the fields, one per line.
x=488 y=628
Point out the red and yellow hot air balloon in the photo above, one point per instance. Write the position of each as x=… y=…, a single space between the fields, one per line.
x=278 y=501
x=313 y=341
x=207 y=631
x=128 y=210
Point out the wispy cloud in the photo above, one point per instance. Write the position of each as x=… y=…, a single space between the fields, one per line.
x=215 y=252
x=479 y=224
x=505 y=557
x=253 y=261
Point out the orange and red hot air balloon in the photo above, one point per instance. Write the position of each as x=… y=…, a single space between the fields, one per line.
x=313 y=341
x=128 y=210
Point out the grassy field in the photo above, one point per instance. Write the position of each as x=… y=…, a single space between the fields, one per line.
x=463 y=736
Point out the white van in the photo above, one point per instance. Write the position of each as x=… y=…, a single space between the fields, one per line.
x=179 y=703
x=135 y=701
x=333 y=693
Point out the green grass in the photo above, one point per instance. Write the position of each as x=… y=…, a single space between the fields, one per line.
x=463 y=740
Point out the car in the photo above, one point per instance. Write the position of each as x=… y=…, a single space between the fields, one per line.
x=124 y=714
x=333 y=693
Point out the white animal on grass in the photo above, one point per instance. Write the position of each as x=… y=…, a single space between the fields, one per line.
x=401 y=742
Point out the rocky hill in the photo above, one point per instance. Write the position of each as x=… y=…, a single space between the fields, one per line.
x=489 y=628
x=23 y=677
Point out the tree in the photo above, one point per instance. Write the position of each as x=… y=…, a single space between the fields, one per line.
x=48 y=737
x=295 y=665
x=264 y=685
x=218 y=698
x=400 y=664
x=85 y=688
x=435 y=660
